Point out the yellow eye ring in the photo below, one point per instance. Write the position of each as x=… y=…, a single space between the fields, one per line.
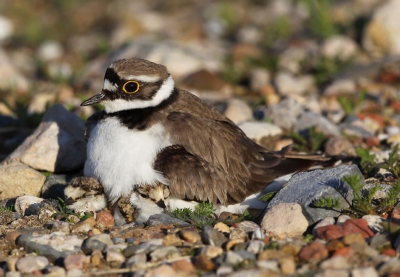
x=131 y=87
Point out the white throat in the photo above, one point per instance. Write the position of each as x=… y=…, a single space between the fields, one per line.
x=119 y=104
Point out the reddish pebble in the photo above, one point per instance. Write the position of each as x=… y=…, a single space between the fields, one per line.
x=395 y=216
x=357 y=225
x=77 y=261
x=389 y=252
x=330 y=232
x=372 y=141
x=346 y=252
x=314 y=252
x=90 y=233
x=105 y=218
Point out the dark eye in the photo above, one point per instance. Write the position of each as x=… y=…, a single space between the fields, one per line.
x=130 y=87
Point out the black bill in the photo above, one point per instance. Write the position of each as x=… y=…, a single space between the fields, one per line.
x=93 y=100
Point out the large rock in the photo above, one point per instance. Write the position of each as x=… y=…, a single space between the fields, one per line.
x=57 y=145
x=382 y=35
x=306 y=187
x=19 y=179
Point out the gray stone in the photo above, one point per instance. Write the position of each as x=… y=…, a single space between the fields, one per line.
x=114 y=255
x=168 y=252
x=339 y=145
x=57 y=145
x=97 y=242
x=279 y=113
x=380 y=241
x=144 y=248
x=31 y=263
x=53 y=246
x=255 y=246
x=306 y=187
x=22 y=204
x=309 y=119
x=233 y=258
x=18 y=179
x=212 y=236
x=137 y=260
x=55 y=185
x=161 y=219
x=258 y=234
x=246 y=255
x=391 y=265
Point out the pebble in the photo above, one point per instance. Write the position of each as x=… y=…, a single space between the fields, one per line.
x=233 y=258
x=114 y=255
x=202 y=262
x=137 y=261
x=339 y=145
x=172 y=240
x=183 y=265
x=163 y=270
x=84 y=226
x=164 y=219
x=364 y=272
x=96 y=242
x=333 y=273
x=288 y=84
x=313 y=252
x=190 y=236
x=105 y=219
x=255 y=246
x=224 y=270
x=167 y=252
x=212 y=236
x=211 y=251
x=238 y=234
x=258 y=234
x=238 y=111
x=23 y=203
x=336 y=262
x=342 y=218
x=270 y=266
x=54 y=271
x=324 y=222
x=284 y=220
x=75 y=261
x=222 y=227
x=30 y=264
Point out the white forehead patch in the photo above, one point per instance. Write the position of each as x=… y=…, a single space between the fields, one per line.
x=109 y=86
x=143 y=78
x=120 y=104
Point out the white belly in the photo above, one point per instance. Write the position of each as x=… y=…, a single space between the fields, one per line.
x=122 y=159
